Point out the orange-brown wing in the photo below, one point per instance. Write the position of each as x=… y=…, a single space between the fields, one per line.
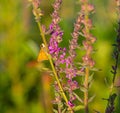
x=42 y=55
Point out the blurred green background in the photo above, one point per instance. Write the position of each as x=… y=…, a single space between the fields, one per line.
x=24 y=87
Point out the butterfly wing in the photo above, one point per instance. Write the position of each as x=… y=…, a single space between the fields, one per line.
x=42 y=55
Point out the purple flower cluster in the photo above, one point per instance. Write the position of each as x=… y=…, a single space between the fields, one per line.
x=86 y=9
x=65 y=64
x=57 y=53
x=81 y=26
x=75 y=35
x=71 y=70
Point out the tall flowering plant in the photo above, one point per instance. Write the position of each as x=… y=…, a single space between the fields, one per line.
x=65 y=69
x=65 y=92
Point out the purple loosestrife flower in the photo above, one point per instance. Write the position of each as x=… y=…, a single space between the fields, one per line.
x=70 y=104
x=71 y=70
x=88 y=62
x=64 y=64
x=58 y=54
x=90 y=39
x=56 y=33
x=73 y=84
x=75 y=35
x=70 y=73
x=73 y=45
x=82 y=25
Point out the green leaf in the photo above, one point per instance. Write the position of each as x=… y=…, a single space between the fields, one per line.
x=64 y=110
x=90 y=84
x=83 y=89
x=96 y=111
x=60 y=104
x=91 y=98
x=106 y=82
x=90 y=77
x=95 y=69
x=55 y=111
x=78 y=107
x=78 y=98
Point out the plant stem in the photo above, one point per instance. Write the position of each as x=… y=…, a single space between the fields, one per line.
x=87 y=68
x=86 y=92
x=53 y=68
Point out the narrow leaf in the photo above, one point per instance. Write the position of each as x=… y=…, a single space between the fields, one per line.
x=96 y=111
x=106 y=82
x=55 y=111
x=64 y=110
x=83 y=89
x=79 y=99
x=78 y=107
x=91 y=98
x=90 y=84
x=95 y=69
x=90 y=77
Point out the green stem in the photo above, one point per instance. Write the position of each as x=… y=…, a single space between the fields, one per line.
x=53 y=68
x=86 y=92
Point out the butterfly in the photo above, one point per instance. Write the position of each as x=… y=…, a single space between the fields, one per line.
x=42 y=54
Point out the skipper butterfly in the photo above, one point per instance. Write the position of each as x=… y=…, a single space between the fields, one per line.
x=42 y=54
